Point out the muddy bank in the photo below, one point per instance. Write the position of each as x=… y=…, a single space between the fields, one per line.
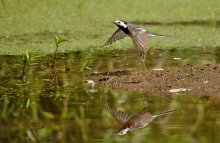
x=189 y=79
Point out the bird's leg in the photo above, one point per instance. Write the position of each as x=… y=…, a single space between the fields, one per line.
x=142 y=55
x=142 y=58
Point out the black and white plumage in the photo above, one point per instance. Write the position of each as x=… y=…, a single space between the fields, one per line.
x=138 y=35
x=139 y=120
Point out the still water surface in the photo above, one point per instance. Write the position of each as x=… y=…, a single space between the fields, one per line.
x=61 y=107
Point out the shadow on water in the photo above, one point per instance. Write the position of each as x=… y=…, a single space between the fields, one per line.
x=38 y=110
x=185 y=23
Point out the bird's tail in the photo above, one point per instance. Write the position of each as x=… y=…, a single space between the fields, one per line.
x=158 y=35
x=164 y=113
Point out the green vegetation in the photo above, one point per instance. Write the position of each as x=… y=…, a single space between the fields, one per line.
x=29 y=25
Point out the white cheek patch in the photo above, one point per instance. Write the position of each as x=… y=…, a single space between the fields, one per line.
x=123 y=24
x=124 y=131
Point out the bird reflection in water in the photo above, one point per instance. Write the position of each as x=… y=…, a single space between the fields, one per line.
x=139 y=120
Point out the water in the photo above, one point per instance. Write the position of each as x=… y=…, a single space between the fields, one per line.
x=60 y=107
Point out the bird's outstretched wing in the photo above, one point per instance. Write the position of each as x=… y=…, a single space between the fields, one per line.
x=118 y=35
x=139 y=38
x=120 y=116
x=142 y=118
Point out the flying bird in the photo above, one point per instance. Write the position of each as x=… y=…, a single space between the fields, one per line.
x=138 y=35
x=131 y=122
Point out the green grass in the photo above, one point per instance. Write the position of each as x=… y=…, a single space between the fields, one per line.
x=29 y=25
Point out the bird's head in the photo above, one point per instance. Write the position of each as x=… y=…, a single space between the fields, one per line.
x=123 y=131
x=121 y=23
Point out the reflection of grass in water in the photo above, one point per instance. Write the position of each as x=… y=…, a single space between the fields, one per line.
x=73 y=119
x=87 y=24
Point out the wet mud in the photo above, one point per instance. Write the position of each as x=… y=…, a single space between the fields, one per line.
x=202 y=79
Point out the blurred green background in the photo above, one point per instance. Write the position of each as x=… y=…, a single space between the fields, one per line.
x=28 y=25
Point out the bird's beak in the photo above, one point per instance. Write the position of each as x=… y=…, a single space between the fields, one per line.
x=113 y=22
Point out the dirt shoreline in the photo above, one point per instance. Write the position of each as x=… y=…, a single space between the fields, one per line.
x=203 y=79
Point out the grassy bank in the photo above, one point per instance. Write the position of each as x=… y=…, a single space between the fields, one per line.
x=28 y=25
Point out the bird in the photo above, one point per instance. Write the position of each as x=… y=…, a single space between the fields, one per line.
x=138 y=35
x=139 y=120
